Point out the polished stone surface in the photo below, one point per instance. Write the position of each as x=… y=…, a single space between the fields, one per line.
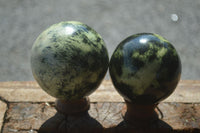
x=69 y=60
x=145 y=68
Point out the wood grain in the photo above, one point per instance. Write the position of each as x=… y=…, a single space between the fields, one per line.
x=187 y=91
x=29 y=106
x=30 y=116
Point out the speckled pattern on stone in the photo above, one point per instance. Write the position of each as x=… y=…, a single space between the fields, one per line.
x=145 y=68
x=67 y=58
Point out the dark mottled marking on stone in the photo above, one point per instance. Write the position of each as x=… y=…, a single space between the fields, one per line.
x=89 y=42
x=85 y=40
x=84 y=28
x=117 y=68
x=68 y=59
x=103 y=61
x=68 y=42
x=131 y=75
x=81 y=31
x=74 y=34
x=43 y=60
x=144 y=50
x=171 y=65
x=79 y=61
x=53 y=38
x=166 y=45
x=56 y=46
x=59 y=90
x=128 y=95
x=67 y=48
x=116 y=60
x=44 y=50
x=137 y=62
x=98 y=39
x=127 y=91
x=61 y=85
x=156 y=43
x=49 y=47
x=152 y=57
x=55 y=55
x=140 y=58
x=97 y=63
x=73 y=40
x=41 y=72
x=50 y=32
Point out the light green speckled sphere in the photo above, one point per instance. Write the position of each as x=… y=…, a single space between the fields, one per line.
x=69 y=60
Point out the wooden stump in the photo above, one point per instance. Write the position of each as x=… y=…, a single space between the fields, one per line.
x=27 y=107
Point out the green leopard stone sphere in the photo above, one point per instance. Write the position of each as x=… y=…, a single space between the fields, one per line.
x=145 y=68
x=69 y=60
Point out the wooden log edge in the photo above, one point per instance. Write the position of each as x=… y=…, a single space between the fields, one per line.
x=187 y=91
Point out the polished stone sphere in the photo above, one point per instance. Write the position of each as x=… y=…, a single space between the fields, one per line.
x=69 y=60
x=145 y=68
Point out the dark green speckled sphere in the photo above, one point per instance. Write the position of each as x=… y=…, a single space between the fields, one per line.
x=69 y=60
x=145 y=68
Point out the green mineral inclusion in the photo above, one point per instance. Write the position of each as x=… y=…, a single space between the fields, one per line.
x=61 y=40
x=147 y=74
x=145 y=68
x=67 y=43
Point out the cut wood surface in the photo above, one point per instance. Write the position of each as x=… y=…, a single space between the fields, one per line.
x=26 y=106
x=3 y=109
x=30 y=116
x=187 y=91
